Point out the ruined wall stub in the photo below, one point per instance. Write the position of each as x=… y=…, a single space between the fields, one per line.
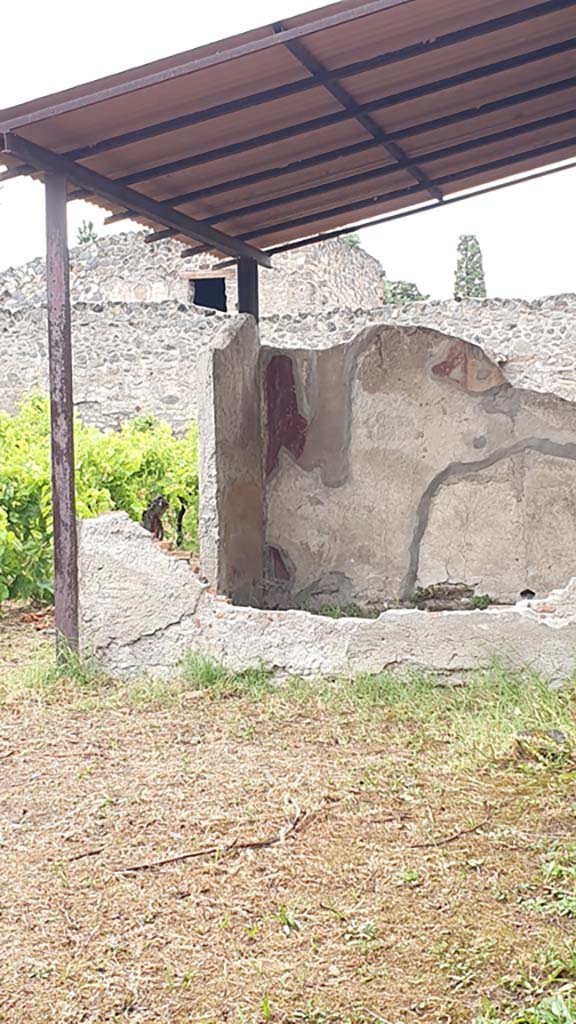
x=405 y=459
x=230 y=451
x=141 y=611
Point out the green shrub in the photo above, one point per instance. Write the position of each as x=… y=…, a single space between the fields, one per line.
x=114 y=470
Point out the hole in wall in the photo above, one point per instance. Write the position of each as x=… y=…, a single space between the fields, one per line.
x=527 y=595
x=209 y=292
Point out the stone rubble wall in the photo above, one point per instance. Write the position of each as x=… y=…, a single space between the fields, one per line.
x=123 y=268
x=141 y=611
x=129 y=359
x=142 y=357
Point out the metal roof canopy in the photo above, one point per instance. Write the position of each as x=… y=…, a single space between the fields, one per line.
x=283 y=135
x=300 y=127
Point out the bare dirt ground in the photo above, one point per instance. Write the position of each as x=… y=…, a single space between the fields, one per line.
x=406 y=888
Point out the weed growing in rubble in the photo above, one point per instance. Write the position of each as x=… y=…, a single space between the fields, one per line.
x=348 y=611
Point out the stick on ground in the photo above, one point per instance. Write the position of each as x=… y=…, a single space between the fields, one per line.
x=234 y=847
x=449 y=839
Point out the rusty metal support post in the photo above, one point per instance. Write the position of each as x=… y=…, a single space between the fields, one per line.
x=61 y=417
x=248 y=287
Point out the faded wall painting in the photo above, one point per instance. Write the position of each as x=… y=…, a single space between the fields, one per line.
x=404 y=460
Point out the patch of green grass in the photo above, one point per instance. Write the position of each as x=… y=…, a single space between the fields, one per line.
x=201 y=673
x=408 y=876
x=313 y=1015
x=548 y=987
x=559 y=1008
x=559 y=871
x=48 y=677
x=555 y=966
x=554 y=902
x=476 y=720
x=481 y=717
x=362 y=933
x=461 y=964
x=288 y=920
x=559 y=863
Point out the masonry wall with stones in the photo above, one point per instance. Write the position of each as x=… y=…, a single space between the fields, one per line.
x=143 y=357
x=137 y=335
x=123 y=268
x=138 y=338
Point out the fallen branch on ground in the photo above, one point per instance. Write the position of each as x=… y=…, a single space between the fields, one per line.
x=450 y=839
x=87 y=853
x=234 y=847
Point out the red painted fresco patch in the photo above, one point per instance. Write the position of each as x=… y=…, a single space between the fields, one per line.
x=287 y=428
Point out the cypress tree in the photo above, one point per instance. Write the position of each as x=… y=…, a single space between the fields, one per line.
x=469 y=280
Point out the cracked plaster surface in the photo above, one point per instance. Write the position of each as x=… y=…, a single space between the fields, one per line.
x=400 y=424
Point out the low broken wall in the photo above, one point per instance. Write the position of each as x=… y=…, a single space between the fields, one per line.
x=141 y=611
x=405 y=459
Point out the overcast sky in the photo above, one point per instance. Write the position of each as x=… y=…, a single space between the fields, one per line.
x=527 y=233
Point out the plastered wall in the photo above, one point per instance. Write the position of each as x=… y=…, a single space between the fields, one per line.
x=406 y=459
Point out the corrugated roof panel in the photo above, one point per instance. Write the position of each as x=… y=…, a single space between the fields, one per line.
x=254 y=114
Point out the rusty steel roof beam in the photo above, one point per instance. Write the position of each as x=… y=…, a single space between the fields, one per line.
x=325 y=121
x=493 y=165
x=503 y=163
x=293 y=88
x=320 y=74
x=362 y=225
x=377 y=172
x=44 y=160
x=357 y=147
x=468 y=114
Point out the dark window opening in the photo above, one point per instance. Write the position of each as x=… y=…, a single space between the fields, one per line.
x=210 y=292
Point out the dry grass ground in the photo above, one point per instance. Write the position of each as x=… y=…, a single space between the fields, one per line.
x=431 y=869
